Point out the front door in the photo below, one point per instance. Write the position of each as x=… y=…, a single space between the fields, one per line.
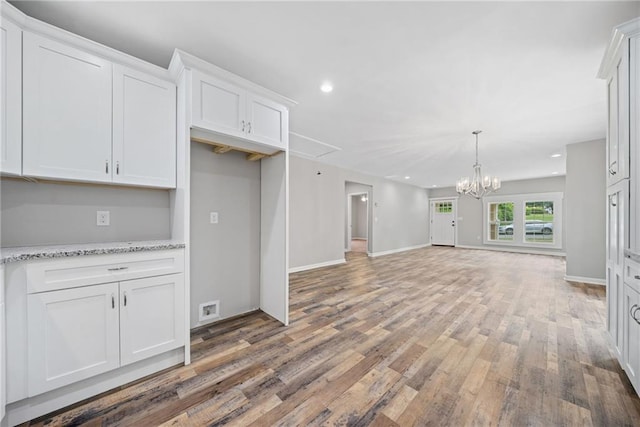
x=443 y=230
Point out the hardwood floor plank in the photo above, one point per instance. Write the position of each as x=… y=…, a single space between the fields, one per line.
x=435 y=336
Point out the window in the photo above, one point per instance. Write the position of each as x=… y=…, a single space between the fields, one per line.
x=533 y=220
x=501 y=221
x=444 y=207
x=538 y=221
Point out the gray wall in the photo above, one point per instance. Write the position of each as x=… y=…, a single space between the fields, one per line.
x=469 y=215
x=586 y=209
x=317 y=207
x=42 y=213
x=358 y=218
x=225 y=257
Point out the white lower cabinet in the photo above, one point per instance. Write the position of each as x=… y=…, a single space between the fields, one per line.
x=74 y=334
x=632 y=335
x=618 y=196
x=148 y=316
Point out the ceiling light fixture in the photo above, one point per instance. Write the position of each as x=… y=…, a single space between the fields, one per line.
x=407 y=177
x=326 y=87
x=554 y=173
x=556 y=155
x=478 y=186
x=363 y=198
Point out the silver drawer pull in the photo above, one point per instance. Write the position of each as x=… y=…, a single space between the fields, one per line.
x=633 y=311
x=117 y=268
x=637 y=277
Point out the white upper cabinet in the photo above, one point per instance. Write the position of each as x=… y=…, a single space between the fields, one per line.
x=144 y=129
x=11 y=96
x=218 y=106
x=67 y=112
x=268 y=121
x=618 y=118
x=232 y=111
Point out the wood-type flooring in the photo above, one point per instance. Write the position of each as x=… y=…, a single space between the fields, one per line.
x=434 y=336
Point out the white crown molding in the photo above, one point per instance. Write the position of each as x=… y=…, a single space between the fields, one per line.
x=11 y=13
x=183 y=60
x=26 y=23
x=618 y=36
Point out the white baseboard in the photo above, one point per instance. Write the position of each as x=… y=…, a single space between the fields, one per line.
x=587 y=280
x=514 y=250
x=318 y=265
x=395 y=251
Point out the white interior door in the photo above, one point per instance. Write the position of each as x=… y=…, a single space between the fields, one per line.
x=443 y=224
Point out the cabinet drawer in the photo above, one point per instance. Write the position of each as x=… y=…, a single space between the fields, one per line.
x=632 y=274
x=50 y=275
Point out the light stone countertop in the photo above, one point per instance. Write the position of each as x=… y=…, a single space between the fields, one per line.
x=27 y=253
x=632 y=255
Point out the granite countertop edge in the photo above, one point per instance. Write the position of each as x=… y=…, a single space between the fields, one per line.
x=632 y=255
x=27 y=253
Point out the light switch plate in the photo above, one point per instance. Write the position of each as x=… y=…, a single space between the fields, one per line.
x=213 y=217
x=102 y=218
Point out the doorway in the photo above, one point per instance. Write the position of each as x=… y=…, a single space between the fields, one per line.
x=358 y=222
x=358 y=217
x=443 y=222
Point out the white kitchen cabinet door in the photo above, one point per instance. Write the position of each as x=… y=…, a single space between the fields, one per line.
x=3 y=348
x=66 y=112
x=618 y=119
x=152 y=316
x=144 y=129
x=268 y=122
x=72 y=335
x=618 y=197
x=634 y=140
x=632 y=336
x=11 y=96
x=218 y=106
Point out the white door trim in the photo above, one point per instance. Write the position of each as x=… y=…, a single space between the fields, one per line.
x=454 y=204
x=350 y=225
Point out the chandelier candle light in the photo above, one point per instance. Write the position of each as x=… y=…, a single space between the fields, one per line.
x=480 y=185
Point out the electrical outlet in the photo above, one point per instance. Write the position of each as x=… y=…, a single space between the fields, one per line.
x=213 y=217
x=102 y=218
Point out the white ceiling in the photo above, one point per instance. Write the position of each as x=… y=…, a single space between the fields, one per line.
x=411 y=80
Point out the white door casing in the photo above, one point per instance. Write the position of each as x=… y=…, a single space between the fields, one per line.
x=443 y=222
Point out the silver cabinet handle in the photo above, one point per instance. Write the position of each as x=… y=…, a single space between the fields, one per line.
x=249 y=127
x=633 y=311
x=125 y=299
x=106 y=166
x=637 y=277
x=113 y=301
x=117 y=168
x=611 y=171
x=117 y=268
x=614 y=204
x=243 y=126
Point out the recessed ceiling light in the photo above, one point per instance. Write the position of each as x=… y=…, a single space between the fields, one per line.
x=556 y=155
x=407 y=177
x=554 y=173
x=434 y=185
x=326 y=87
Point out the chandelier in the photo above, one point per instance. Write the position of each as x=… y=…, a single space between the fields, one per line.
x=478 y=186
